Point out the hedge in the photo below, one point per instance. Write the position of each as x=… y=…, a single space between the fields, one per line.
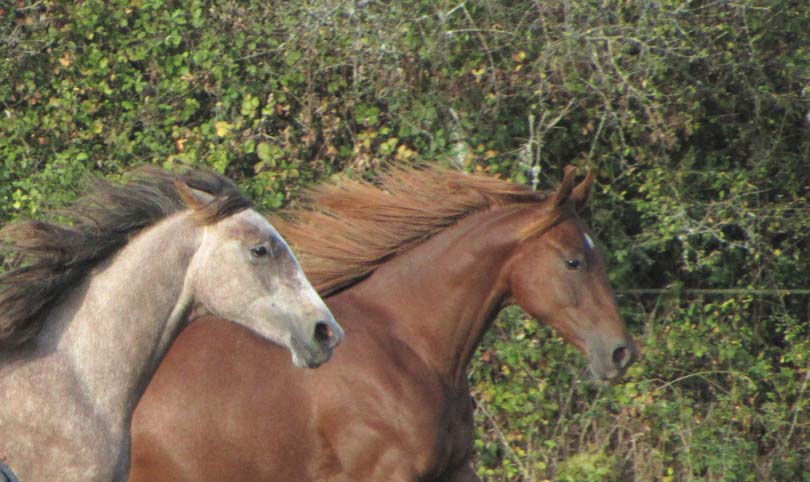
x=695 y=116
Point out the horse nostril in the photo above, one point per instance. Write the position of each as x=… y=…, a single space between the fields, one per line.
x=622 y=356
x=324 y=334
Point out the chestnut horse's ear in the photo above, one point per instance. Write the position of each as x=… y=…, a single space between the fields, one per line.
x=582 y=192
x=566 y=186
x=194 y=198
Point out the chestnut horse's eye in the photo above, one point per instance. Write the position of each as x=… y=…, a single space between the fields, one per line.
x=573 y=263
x=259 y=251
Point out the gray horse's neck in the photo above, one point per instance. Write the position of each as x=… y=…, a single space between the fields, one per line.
x=70 y=392
x=113 y=330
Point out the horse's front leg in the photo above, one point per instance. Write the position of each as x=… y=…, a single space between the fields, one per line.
x=463 y=474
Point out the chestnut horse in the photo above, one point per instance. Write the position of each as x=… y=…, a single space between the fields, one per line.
x=416 y=270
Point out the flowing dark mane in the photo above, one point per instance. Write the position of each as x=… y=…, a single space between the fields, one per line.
x=50 y=258
x=343 y=231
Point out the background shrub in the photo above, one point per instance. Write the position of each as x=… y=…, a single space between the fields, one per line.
x=694 y=115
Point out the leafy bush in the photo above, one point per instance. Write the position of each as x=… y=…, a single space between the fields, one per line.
x=694 y=115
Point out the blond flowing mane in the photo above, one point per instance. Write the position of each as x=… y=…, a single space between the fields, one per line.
x=344 y=230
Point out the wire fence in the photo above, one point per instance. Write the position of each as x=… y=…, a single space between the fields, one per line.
x=716 y=291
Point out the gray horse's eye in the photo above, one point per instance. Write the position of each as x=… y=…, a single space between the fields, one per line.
x=259 y=251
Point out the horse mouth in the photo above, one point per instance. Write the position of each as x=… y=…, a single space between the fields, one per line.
x=610 y=370
x=306 y=356
x=604 y=376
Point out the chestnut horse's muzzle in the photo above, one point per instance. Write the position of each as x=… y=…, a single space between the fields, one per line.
x=609 y=361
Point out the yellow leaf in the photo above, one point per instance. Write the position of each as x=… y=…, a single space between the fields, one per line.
x=223 y=128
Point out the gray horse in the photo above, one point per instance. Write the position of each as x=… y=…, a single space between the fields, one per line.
x=92 y=306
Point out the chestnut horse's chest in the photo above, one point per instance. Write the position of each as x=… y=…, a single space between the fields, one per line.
x=440 y=433
x=455 y=440
x=408 y=425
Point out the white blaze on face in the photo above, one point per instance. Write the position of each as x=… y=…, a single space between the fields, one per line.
x=589 y=242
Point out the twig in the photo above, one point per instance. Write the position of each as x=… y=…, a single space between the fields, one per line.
x=481 y=405
x=797 y=408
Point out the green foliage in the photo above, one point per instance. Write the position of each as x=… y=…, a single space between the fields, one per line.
x=694 y=115
x=588 y=467
x=715 y=397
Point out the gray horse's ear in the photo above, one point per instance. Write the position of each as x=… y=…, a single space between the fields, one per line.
x=566 y=186
x=582 y=192
x=194 y=198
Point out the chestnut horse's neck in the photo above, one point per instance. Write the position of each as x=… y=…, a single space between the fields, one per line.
x=441 y=296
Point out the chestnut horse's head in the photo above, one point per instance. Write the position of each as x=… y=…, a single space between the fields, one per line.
x=558 y=276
